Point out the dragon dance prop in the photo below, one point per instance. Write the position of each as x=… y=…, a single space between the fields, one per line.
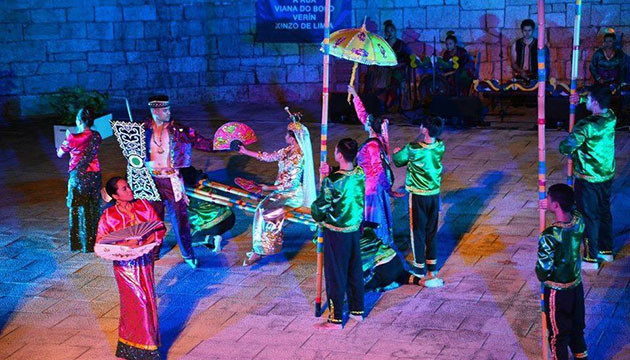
x=542 y=168
x=553 y=87
x=575 y=59
x=131 y=139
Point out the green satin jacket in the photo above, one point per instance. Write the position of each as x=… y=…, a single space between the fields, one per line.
x=559 y=261
x=592 y=143
x=339 y=205
x=424 y=166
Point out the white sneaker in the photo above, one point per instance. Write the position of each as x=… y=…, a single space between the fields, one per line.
x=358 y=318
x=589 y=265
x=434 y=282
x=217 y=244
x=605 y=257
x=328 y=326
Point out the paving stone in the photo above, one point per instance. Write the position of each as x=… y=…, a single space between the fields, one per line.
x=210 y=348
x=488 y=308
x=279 y=352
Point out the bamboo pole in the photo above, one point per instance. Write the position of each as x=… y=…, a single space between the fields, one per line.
x=291 y=216
x=323 y=154
x=542 y=169
x=232 y=190
x=575 y=59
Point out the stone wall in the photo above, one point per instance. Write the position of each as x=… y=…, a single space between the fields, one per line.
x=205 y=51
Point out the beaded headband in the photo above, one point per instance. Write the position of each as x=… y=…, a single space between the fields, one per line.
x=158 y=104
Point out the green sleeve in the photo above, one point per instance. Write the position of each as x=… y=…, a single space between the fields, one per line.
x=322 y=204
x=401 y=158
x=546 y=250
x=575 y=139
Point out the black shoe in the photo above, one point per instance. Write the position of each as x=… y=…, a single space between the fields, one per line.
x=417 y=272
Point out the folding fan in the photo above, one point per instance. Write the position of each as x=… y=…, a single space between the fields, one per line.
x=248 y=185
x=134 y=233
x=127 y=244
x=231 y=132
x=131 y=139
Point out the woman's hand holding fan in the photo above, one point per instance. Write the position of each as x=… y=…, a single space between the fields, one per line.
x=248 y=185
x=132 y=236
x=130 y=242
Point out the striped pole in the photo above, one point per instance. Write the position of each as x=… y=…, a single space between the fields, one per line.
x=290 y=215
x=542 y=169
x=323 y=155
x=575 y=59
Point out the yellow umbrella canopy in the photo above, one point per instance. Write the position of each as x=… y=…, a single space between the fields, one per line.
x=361 y=46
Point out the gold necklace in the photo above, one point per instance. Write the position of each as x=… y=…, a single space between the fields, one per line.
x=159 y=145
x=128 y=212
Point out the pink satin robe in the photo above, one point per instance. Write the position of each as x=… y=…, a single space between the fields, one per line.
x=138 y=325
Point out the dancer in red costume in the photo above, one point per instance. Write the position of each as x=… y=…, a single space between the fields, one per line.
x=138 y=331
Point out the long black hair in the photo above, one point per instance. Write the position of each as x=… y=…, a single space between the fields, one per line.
x=376 y=123
x=87 y=116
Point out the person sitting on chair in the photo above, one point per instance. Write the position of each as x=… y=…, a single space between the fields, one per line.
x=524 y=53
x=386 y=82
x=460 y=78
x=608 y=63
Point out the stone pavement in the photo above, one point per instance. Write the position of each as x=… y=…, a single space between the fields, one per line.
x=55 y=304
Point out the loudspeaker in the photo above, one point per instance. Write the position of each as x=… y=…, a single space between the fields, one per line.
x=467 y=108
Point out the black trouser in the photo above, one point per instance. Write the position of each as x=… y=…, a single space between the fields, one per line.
x=178 y=215
x=564 y=311
x=344 y=274
x=593 y=201
x=423 y=213
x=385 y=274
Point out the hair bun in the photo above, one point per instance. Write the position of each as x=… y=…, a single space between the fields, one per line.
x=450 y=33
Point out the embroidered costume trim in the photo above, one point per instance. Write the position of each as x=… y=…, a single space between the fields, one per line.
x=421 y=192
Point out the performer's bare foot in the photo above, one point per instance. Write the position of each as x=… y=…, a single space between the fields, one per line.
x=328 y=326
x=251 y=258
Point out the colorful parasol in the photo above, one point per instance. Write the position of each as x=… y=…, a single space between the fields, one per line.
x=361 y=47
x=233 y=131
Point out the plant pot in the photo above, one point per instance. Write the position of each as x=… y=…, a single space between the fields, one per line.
x=101 y=124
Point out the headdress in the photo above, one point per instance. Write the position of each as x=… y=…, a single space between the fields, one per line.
x=294 y=124
x=158 y=101
x=304 y=142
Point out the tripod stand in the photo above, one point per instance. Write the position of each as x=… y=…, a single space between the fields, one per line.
x=502 y=109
